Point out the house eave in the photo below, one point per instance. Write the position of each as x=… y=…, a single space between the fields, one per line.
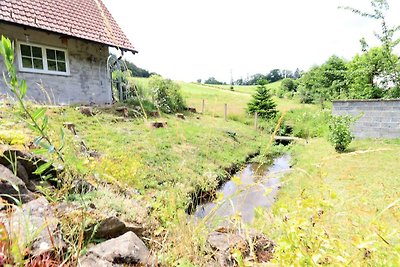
x=62 y=34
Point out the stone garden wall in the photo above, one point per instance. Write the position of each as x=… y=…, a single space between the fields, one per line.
x=380 y=118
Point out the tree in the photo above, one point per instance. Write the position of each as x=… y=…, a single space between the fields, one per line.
x=391 y=73
x=212 y=80
x=274 y=75
x=367 y=74
x=289 y=85
x=262 y=102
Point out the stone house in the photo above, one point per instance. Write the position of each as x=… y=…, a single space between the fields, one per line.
x=61 y=48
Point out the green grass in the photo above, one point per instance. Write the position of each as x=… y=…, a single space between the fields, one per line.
x=339 y=209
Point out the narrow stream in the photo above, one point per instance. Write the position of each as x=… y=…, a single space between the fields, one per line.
x=258 y=187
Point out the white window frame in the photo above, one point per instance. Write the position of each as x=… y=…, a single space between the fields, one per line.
x=45 y=69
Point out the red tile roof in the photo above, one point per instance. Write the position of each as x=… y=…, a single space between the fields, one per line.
x=85 y=19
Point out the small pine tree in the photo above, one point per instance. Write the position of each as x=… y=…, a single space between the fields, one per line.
x=262 y=102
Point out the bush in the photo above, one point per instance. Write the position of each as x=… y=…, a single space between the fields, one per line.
x=166 y=94
x=339 y=132
x=289 y=85
x=262 y=102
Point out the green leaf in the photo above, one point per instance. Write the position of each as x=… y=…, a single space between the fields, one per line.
x=39 y=151
x=22 y=89
x=45 y=122
x=38 y=113
x=43 y=168
x=37 y=140
x=62 y=139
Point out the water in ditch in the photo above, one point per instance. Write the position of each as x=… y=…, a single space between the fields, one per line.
x=255 y=186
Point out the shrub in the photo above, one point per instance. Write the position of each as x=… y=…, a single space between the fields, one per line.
x=289 y=85
x=262 y=102
x=166 y=94
x=339 y=132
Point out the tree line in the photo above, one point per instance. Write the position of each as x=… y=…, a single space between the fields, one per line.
x=272 y=76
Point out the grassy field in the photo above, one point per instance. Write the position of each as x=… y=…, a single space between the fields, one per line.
x=339 y=209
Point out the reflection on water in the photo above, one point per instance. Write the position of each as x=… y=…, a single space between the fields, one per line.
x=258 y=187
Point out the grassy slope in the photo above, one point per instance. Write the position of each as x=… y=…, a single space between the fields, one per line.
x=350 y=190
x=216 y=96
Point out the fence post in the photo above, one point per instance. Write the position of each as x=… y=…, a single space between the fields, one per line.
x=255 y=120
x=203 y=107
x=226 y=112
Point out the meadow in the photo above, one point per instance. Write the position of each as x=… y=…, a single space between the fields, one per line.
x=332 y=209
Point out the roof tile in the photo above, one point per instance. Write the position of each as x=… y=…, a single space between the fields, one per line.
x=85 y=19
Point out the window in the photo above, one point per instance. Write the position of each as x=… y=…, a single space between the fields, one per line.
x=43 y=59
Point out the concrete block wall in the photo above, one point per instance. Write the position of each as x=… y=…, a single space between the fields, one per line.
x=380 y=118
x=88 y=82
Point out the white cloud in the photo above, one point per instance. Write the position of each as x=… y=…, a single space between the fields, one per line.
x=187 y=39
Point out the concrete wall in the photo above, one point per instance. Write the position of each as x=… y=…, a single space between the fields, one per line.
x=88 y=81
x=381 y=118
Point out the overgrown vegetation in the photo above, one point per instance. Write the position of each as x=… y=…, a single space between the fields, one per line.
x=337 y=210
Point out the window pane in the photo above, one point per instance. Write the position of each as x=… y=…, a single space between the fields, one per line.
x=37 y=64
x=61 y=67
x=37 y=51
x=27 y=62
x=26 y=50
x=52 y=65
x=51 y=54
x=60 y=56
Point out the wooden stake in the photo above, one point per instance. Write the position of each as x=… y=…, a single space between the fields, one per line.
x=203 y=107
x=226 y=112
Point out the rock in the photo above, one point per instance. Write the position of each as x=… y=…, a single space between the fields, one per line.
x=29 y=161
x=23 y=175
x=123 y=110
x=8 y=185
x=159 y=124
x=70 y=126
x=191 y=109
x=34 y=223
x=120 y=251
x=88 y=111
x=110 y=227
x=180 y=116
x=224 y=241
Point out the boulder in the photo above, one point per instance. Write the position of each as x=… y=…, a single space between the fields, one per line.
x=13 y=188
x=127 y=249
x=34 y=224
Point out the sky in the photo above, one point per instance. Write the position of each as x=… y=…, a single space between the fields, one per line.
x=188 y=40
